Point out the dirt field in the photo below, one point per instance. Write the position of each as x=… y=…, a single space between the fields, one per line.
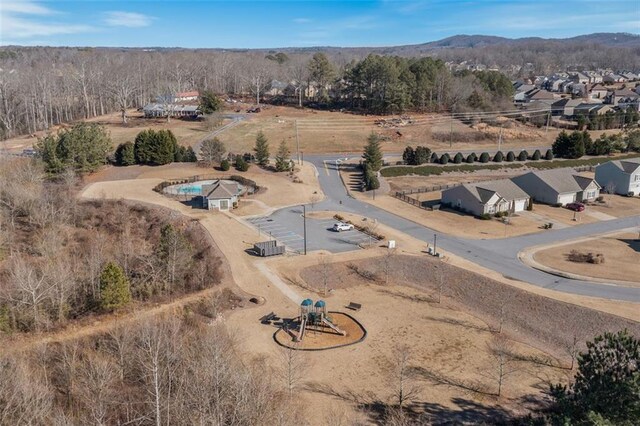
x=621 y=253
x=405 y=183
x=187 y=132
x=617 y=206
x=324 y=131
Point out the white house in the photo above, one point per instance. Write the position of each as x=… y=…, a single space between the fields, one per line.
x=620 y=176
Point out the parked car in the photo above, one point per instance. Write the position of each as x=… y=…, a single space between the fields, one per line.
x=576 y=207
x=341 y=226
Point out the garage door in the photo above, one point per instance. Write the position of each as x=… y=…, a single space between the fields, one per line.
x=566 y=198
x=520 y=205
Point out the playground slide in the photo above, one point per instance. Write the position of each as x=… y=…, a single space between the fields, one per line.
x=333 y=327
x=303 y=326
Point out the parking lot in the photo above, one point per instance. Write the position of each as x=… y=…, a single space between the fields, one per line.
x=287 y=227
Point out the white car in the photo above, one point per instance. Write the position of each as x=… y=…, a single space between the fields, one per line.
x=341 y=226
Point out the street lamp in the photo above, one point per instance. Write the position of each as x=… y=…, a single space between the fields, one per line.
x=304 y=227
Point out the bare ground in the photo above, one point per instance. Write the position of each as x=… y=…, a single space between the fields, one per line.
x=621 y=253
x=528 y=316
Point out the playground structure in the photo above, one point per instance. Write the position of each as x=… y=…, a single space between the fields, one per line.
x=314 y=317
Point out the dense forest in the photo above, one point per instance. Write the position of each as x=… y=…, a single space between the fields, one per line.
x=44 y=86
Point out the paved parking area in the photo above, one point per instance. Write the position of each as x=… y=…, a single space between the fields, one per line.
x=286 y=226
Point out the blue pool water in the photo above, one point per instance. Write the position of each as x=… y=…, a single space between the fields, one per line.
x=194 y=188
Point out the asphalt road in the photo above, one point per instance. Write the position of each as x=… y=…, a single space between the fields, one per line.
x=500 y=255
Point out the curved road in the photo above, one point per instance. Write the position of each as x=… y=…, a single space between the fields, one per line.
x=500 y=255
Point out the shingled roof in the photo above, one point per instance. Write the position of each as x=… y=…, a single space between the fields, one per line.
x=505 y=188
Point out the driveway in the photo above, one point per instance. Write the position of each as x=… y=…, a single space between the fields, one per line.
x=500 y=255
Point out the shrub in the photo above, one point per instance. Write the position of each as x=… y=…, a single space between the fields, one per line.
x=484 y=157
x=409 y=156
x=549 y=155
x=471 y=158
x=125 y=154
x=444 y=159
x=536 y=155
x=241 y=164
x=523 y=156
x=435 y=158
x=498 y=157
x=422 y=155
x=485 y=216
x=458 y=158
x=225 y=165
x=511 y=157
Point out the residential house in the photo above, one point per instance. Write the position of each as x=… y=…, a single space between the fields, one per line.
x=157 y=110
x=486 y=197
x=598 y=92
x=555 y=84
x=586 y=109
x=219 y=196
x=539 y=95
x=622 y=96
x=565 y=107
x=191 y=95
x=558 y=186
x=580 y=78
x=521 y=91
x=630 y=76
x=275 y=88
x=613 y=78
x=620 y=176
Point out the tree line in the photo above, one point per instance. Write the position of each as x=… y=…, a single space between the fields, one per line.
x=579 y=143
x=41 y=87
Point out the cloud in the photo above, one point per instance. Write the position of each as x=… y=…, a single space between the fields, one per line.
x=19 y=21
x=127 y=19
x=302 y=20
x=26 y=7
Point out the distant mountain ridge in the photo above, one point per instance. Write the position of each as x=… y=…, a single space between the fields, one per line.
x=463 y=40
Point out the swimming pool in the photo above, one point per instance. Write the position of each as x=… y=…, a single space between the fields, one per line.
x=195 y=188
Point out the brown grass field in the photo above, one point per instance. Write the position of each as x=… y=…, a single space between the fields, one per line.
x=621 y=253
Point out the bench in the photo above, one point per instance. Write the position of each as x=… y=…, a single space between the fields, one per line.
x=268 y=318
x=354 y=306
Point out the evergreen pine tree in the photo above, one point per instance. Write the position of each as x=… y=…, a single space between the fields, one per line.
x=114 y=287
x=372 y=152
x=262 y=149
x=283 y=162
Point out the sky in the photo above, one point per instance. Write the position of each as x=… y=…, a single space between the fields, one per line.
x=301 y=23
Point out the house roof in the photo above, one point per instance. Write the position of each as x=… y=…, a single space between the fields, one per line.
x=188 y=94
x=504 y=188
x=563 y=180
x=220 y=190
x=541 y=94
x=625 y=93
x=627 y=166
x=599 y=88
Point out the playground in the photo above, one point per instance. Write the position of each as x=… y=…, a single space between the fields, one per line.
x=318 y=329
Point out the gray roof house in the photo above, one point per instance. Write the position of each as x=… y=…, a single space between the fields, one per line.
x=486 y=197
x=219 y=195
x=558 y=186
x=620 y=176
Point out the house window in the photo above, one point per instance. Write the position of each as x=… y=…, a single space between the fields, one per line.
x=636 y=178
x=491 y=209
x=591 y=194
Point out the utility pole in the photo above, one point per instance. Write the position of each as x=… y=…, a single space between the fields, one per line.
x=548 y=120
x=451 y=131
x=302 y=157
x=435 y=244
x=500 y=138
x=304 y=226
x=297 y=142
